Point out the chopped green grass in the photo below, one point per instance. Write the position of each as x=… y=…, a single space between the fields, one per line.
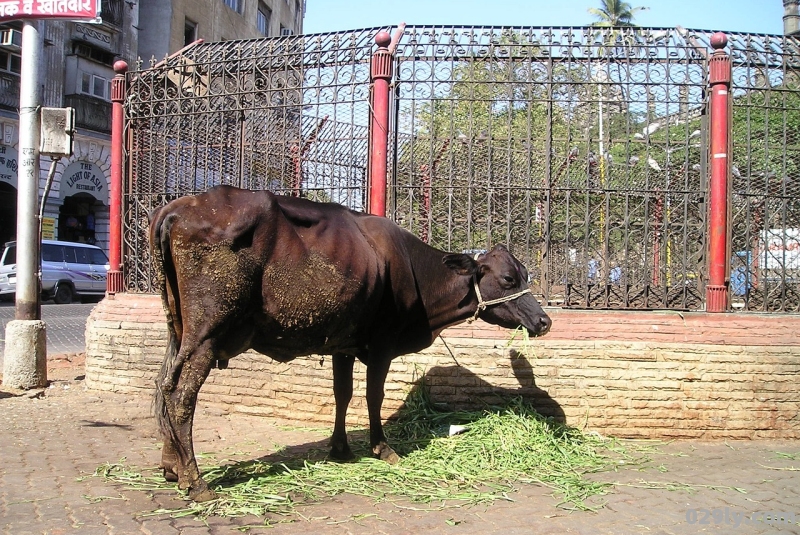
x=501 y=447
x=790 y=456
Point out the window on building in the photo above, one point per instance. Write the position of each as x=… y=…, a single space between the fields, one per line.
x=85 y=50
x=10 y=62
x=189 y=32
x=235 y=5
x=263 y=19
x=96 y=86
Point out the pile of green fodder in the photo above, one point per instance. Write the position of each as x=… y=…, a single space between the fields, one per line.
x=497 y=449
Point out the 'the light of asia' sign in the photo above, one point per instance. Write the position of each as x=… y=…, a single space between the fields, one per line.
x=84 y=177
x=48 y=9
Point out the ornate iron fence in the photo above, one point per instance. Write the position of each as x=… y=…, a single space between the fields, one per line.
x=584 y=149
x=287 y=114
x=765 y=199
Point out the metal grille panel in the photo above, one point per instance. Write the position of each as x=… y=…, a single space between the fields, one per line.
x=765 y=173
x=285 y=114
x=583 y=148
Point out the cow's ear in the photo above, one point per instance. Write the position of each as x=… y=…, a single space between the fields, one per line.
x=460 y=263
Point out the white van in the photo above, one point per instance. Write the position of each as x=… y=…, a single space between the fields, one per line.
x=69 y=270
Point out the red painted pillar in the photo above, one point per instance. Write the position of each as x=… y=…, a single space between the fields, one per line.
x=719 y=67
x=114 y=282
x=381 y=75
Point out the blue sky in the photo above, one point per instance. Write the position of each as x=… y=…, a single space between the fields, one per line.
x=754 y=16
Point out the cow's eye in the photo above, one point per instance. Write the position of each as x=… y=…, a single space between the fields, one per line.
x=508 y=279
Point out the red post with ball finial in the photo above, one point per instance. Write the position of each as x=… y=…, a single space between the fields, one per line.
x=381 y=74
x=381 y=77
x=719 y=68
x=114 y=282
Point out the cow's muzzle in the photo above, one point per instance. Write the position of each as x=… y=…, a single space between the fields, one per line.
x=483 y=305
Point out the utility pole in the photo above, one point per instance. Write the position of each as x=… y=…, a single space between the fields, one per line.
x=25 y=359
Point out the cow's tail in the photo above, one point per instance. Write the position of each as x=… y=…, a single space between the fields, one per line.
x=166 y=276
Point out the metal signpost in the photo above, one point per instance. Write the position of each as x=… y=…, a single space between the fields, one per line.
x=25 y=359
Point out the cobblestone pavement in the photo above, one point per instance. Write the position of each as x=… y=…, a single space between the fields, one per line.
x=50 y=440
x=66 y=326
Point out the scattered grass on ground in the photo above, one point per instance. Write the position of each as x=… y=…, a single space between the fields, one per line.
x=498 y=449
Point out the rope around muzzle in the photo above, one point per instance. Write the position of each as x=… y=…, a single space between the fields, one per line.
x=483 y=305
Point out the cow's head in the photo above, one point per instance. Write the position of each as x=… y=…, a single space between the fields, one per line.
x=500 y=282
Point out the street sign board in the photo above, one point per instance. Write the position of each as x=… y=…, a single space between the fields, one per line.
x=49 y=9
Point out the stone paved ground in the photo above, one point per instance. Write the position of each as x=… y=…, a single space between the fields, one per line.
x=49 y=442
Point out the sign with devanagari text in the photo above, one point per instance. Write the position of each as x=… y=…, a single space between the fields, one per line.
x=49 y=9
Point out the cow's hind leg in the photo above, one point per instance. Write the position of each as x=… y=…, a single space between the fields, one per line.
x=180 y=403
x=342 y=393
x=165 y=384
x=377 y=369
x=169 y=460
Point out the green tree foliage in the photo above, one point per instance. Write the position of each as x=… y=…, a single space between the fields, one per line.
x=614 y=13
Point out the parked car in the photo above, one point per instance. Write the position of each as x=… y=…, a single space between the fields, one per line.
x=69 y=270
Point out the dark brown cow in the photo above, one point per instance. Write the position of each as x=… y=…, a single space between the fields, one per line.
x=290 y=277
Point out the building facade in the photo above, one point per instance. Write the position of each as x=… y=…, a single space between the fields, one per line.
x=169 y=25
x=76 y=71
x=791 y=17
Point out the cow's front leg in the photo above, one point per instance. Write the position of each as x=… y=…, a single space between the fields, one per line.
x=342 y=393
x=377 y=369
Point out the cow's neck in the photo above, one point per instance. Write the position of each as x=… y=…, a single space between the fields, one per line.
x=449 y=299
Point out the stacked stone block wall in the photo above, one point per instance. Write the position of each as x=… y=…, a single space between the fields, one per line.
x=626 y=374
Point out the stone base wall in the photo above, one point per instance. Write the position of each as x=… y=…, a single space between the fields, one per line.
x=625 y=374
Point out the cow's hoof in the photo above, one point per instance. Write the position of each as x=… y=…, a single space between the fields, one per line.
x=383 y=452
x=202 y=494
x=169 y=475
x=342 y=454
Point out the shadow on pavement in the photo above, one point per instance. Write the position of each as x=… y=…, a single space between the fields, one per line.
x=96 y=423
x=474 y=393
